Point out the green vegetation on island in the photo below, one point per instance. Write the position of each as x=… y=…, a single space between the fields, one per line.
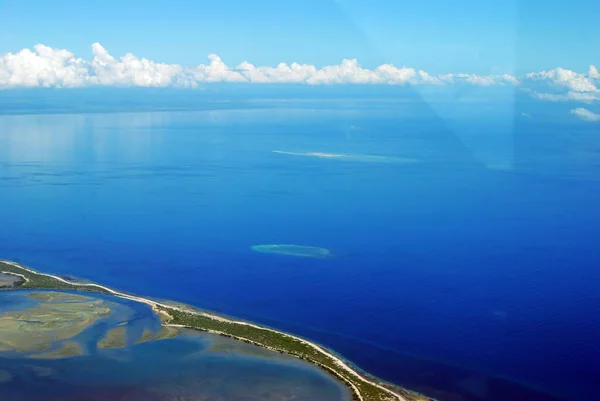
x=363 y=387
x=35 y=280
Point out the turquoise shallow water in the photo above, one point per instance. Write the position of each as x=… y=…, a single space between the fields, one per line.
x=192 y=366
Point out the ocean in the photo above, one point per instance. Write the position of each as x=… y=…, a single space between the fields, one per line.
x=464 y=257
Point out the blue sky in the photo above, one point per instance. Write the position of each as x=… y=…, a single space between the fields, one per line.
x=462 y=50
x=439 y=36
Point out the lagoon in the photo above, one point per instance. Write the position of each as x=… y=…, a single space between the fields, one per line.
x=191 y=365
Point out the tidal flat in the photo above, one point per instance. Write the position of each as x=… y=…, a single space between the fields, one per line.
x=53 y=317
x=174 y=320
x=57 y=345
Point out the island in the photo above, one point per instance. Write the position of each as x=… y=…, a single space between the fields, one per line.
x=293 y=250
x=173 y=316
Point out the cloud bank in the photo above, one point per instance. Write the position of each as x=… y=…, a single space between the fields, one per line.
x=48 y=67
x=561 y=84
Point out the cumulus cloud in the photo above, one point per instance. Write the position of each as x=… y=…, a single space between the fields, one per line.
x=585 y=114
x=47 y=67
x=562 y=85
x=571 y=80
x=44 y=66
x=104 y=69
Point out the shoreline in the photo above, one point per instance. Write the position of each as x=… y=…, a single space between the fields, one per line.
x=351 y=377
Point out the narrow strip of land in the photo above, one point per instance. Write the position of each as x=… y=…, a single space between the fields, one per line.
x=363 y=386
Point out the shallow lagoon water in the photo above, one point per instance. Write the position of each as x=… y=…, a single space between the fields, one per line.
x=37 y=324
x=191 y=366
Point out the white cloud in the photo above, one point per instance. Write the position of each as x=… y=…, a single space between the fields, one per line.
x=562 y=85
x=584 y=97
x=585 y=114
x=478 y=80
x=294 y=73
x=561 y=77
x=44 y=66
x=47 y=67
x=216 y=71
x=130 y=70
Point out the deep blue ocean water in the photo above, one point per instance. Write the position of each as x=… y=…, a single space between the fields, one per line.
x=470 y=273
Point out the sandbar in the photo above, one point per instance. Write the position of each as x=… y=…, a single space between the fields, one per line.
x=352 y=157
x=114 y=338
x=293 y=250
x=68 y=349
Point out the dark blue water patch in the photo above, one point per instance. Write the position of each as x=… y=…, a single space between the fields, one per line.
x=435 y=378
x=489 y=270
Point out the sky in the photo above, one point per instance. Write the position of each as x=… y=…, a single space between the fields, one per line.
x=548 y=49
x=439 y=36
